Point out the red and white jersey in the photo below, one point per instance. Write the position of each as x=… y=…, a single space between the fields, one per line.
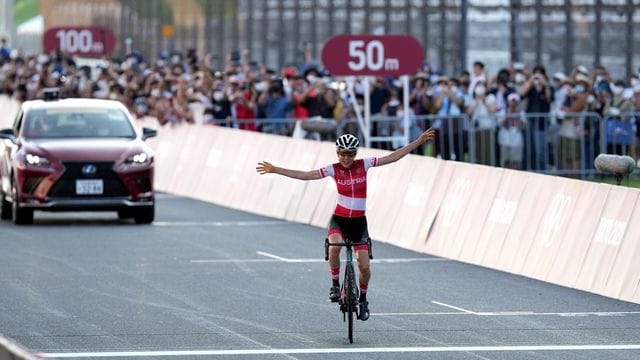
x=352 y=186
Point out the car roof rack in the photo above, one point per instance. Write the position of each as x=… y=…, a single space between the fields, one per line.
x=51 y=94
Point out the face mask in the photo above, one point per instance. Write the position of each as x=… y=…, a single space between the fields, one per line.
x=579 y=89
x=261 y=86
x=520 y=78
x=616 y=90
x=155 y=92
x=394 y=103
x=218 y=96
x=311 y=79
x=634 y=82
x=480 y=90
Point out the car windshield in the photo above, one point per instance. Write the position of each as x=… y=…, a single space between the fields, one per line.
x=77 y=123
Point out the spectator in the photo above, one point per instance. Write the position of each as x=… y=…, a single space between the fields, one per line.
x=483 y=120
x=243 y=99
x=539 y=96
x=510 y=137
x=448 y=104
x=478 y=73
x=5 y=50
x=317 y=100
x=617 y=111
x=571 y=127
x=277 y=110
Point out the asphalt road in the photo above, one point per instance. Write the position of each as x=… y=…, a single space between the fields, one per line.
x=209 y=282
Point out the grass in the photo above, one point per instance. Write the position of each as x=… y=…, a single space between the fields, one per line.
x=24 y=10
x=632 y=180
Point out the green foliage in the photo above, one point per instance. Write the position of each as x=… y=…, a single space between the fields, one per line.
x=24 y=10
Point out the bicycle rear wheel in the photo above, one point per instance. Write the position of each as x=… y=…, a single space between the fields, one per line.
x=350 y=282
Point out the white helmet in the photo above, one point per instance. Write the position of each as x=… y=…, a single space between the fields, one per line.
x=347 y=142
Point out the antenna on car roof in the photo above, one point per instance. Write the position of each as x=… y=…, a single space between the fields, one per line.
x=51 y=94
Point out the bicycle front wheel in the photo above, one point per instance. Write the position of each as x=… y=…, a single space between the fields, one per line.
x=350 y=283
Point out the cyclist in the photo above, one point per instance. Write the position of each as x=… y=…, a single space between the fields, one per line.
x=349 y=218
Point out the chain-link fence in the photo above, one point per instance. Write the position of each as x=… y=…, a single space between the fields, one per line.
x=559 y=34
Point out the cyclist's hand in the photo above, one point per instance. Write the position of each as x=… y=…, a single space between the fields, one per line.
x=429 y=134
x=264 y=167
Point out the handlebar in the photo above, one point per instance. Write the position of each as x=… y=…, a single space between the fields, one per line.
x=345 y=244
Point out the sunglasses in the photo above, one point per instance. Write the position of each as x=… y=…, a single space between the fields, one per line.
x=347 y=153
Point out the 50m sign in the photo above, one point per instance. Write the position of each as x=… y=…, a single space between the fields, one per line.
x=372 y=55
x=89 y=41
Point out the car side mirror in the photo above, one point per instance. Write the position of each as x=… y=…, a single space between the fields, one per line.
x=8 y=134
x=148 y=133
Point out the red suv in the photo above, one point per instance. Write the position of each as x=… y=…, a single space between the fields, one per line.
x=76 y=155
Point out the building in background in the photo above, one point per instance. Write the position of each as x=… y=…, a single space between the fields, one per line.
x=557 y=33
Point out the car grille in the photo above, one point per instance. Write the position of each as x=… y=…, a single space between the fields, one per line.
x=66 y=184
x=31 y=184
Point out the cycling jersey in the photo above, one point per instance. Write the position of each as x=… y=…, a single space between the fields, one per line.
x=352 y=186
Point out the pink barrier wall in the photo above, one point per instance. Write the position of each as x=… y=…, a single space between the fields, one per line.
x=569 y=232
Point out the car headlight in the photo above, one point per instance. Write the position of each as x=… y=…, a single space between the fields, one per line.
x=138 y=159
x=36 y=160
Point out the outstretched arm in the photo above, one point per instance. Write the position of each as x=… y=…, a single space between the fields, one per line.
x=429 y=134
x=267 y=168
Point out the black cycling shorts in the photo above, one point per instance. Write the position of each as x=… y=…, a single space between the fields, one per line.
x=352 y=228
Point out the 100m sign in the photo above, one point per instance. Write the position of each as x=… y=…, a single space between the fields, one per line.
x=86 y=41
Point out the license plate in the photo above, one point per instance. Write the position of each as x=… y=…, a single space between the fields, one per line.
x=89 y=187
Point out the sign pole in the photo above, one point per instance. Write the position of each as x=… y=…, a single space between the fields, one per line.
x=367 y=111
x=405 y=106
x=356 y=107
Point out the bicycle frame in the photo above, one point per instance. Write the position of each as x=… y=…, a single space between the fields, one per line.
x=349 y=292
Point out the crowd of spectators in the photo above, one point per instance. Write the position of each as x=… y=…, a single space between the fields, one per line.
x=511 y=115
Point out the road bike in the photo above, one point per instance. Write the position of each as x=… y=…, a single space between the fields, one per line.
x=349 y=291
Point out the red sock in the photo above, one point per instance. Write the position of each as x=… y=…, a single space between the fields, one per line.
x=335 y=273
x=363 y=288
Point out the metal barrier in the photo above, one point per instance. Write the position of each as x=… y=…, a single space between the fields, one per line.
x=552 y=143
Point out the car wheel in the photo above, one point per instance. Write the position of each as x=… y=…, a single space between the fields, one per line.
x=20 y=216
x=5 y=208
x=145 y=215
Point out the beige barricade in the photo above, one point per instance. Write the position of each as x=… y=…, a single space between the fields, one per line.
x=624 y=282
x=418 y=203
x=463 y=209
x=521 y=235
x=326 y=203
x=606 y=242
x=486 y=182
x=549 y=234
x=384 y=191
x=10 y=350
x=576 y=241
x=504 y=210
x=448 y=211
x=565 y=231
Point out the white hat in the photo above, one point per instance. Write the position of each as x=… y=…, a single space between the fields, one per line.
x=583 y=78
x=560 y=76
x=513 y=96
x=582 y=69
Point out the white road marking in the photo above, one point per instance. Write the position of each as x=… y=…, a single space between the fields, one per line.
x=510 y=313
x=220 y=223
x=515 y=313
x=454 y=307
x=272 y=258
x=435 y=349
